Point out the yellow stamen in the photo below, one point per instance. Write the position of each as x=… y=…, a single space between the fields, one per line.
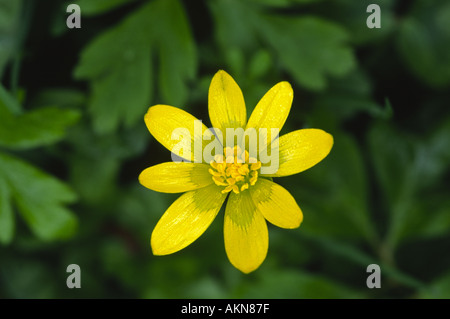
x=244 y=187
x=237 y=171
x=218 y=158
x=214 y=173
x=219 y=181
x=254 y=178
x=243 y=170
x=227 y=189
x=213 y=164
x=255 y=166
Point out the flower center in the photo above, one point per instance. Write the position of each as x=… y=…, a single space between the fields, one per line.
x=237 y=171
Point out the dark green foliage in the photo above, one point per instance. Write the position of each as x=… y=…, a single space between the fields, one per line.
x=73 y=142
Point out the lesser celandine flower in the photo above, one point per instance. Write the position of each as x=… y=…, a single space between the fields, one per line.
x=235 y=172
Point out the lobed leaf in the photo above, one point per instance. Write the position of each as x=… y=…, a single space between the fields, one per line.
x=39 y=198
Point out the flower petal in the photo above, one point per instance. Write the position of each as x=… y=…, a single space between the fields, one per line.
x=273 y=109
x=245 y=233
x=276 y=204
x=172 y=177
x=300 y=150
x=186 y=219
x=176 y=130
x=226 y=104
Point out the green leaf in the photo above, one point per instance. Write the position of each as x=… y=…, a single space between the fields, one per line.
x=95 y=7
x=37 y=127
x=8 y=104
x=25 y=277
x=259 y=64
x=431 y=217
x=392 y=154
x=233 y=29
x=289 y=284
x=440 y=144
x=351 y=252
x=10 y=19
x=62 y=97
x=122 y=95
x=140 y=208
x=6 y=214
x=341 y=178
x=118 y=64
x=410 y=172
x=176 y=49
x=309 y=48
x=39 y=197
x=423 y=42
x=352 y=15
x=98 y=158
x=349 y=96
x=439 y=289
x=395 y=166
x=103 y=171
x=283 y=3
x=208 y=287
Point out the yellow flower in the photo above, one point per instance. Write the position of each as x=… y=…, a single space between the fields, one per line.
x=235 y=172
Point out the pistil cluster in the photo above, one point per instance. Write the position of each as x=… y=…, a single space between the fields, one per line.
x=236 y=171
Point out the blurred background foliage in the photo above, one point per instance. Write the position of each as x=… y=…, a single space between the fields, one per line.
x=73 y=142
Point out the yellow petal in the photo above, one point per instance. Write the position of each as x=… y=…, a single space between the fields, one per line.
x=276 y=204
x=226 y=104
x=273 y=109
x=186 y=219
x=174 y=177
x=167 y=124
x=245 y=233
x=300 y=150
